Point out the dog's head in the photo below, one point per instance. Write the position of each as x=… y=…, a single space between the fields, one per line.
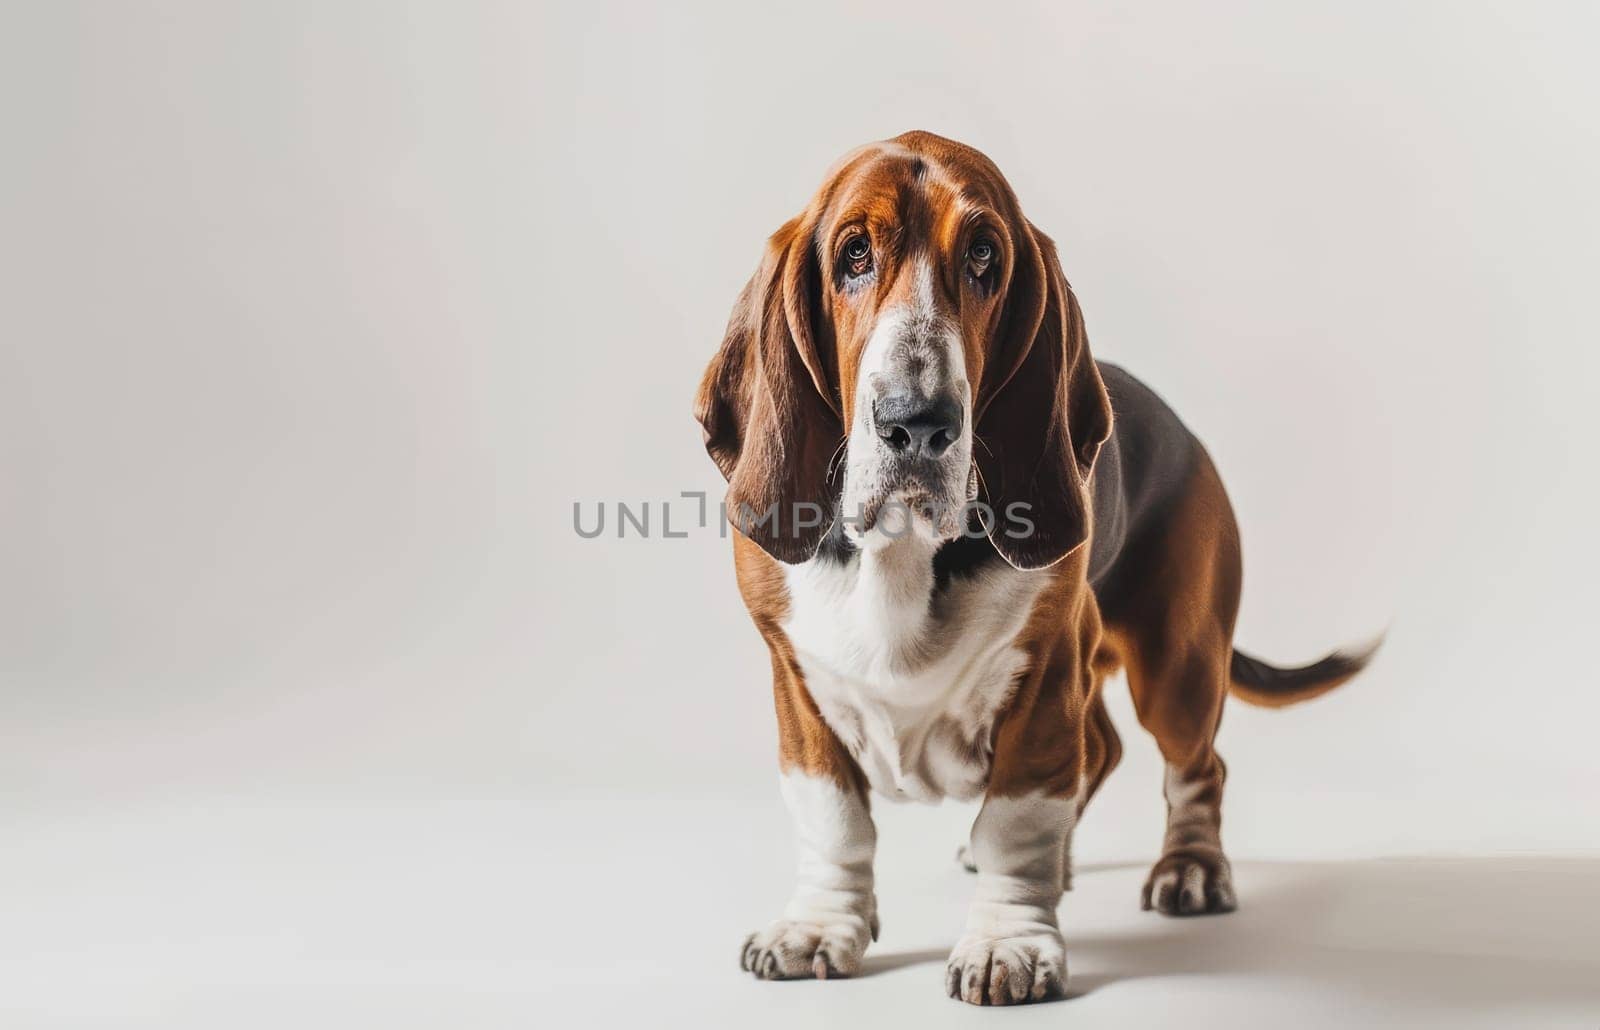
x=908 y=338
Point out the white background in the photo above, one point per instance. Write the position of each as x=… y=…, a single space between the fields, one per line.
x=318 y=318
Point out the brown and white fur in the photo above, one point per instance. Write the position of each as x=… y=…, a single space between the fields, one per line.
x=955 y=524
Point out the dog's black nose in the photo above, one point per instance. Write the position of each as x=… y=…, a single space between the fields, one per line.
x=916 y=426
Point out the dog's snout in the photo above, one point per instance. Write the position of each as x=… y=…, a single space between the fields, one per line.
x=915 y=426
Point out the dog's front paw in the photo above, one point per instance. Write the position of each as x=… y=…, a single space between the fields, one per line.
x=792 y=949
x=1190 y=884
x=986 y=970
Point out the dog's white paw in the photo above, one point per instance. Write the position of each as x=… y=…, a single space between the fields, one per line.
x=791 y=949
x=986 y=970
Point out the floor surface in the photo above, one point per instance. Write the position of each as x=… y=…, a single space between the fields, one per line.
x=611 y=913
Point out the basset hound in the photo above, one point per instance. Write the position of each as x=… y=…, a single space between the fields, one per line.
x=955 y=524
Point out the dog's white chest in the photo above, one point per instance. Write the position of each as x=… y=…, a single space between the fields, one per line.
x=911 y=680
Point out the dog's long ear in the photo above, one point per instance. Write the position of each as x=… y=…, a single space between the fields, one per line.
x=764 y=402
x=1043 y=419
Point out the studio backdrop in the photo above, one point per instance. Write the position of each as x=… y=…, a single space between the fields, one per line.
x=329 y=330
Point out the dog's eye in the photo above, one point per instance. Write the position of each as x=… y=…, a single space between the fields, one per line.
x=858 y=257
x=979 y=256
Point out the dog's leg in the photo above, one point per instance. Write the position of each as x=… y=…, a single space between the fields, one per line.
x=1193 y=876
x=833 y=913
x=1177 y=642
x=1012 y=950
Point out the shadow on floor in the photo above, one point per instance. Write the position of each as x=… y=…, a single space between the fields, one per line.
x=888 y=962
x=1509 y=932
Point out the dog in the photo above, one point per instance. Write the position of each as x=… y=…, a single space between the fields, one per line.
x=954 y=525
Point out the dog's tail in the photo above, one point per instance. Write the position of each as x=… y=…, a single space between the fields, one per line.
x=1260 y=683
